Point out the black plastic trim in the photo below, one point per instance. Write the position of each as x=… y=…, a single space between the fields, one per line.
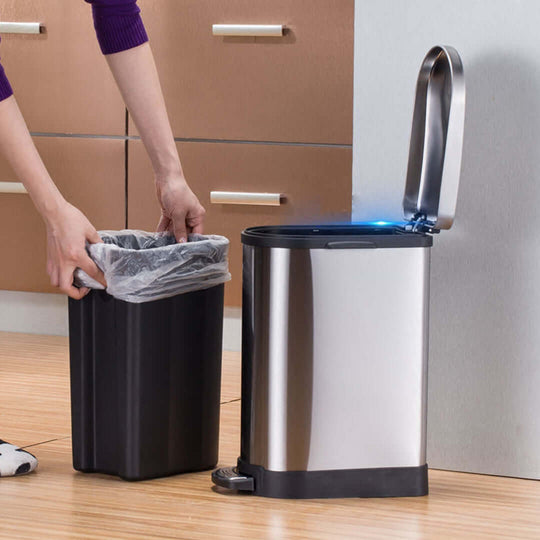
x=335 y=237
x=377 y=482
x=230 y=478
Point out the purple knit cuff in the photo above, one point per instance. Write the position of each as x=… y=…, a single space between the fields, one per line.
x=5 y=87
x=118 y=33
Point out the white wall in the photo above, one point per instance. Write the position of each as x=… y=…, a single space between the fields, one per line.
x=484 y=370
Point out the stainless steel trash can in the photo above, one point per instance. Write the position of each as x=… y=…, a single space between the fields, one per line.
x=335 y=329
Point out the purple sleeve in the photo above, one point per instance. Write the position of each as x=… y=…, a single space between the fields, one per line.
x=5 y=87
x=118 y=25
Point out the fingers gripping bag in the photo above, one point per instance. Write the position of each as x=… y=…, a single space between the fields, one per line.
x=141 y=266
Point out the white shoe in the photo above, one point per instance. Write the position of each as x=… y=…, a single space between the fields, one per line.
x=15 y=461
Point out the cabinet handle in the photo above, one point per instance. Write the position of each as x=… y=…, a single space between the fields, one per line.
x=20 y=28
x=240 y=197
x=254 y=30
x=12 y=187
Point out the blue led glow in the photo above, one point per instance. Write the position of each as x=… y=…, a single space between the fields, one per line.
x=375 y=223
x=378 y=223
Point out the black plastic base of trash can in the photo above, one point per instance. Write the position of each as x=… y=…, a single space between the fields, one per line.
x=145 y=383
x=374 y=482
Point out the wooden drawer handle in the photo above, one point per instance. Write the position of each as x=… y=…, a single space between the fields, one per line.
x=254 y=30
x=20 y=28
x=240 y=197
x=12 y=187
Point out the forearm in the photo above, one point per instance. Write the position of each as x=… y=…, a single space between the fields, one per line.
x=68 y=230
x=136 y=75
x=17 y=147
x=123 y=40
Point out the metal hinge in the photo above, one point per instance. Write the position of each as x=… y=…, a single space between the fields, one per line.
x=419 y=223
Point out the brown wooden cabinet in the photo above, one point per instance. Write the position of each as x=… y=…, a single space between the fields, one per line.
x=316 y=183
x=291 y=89
x=61 y=80
x=294 y=88
x=288 y=100
x=89 y=172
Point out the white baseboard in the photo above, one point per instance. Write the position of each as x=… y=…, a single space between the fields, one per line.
x=232 y=329
x=33 y=313
x=43 y=313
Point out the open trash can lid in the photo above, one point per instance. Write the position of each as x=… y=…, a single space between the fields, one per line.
x=436 y=140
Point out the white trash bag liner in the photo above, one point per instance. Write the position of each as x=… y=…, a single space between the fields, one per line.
x=141 y=266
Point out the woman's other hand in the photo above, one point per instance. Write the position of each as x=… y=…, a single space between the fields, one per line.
x=68 y=229
x=181 y=211
x=135 y=72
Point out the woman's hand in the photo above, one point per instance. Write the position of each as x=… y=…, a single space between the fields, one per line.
x=181 y=211
x=135 y=73
x=67 y=233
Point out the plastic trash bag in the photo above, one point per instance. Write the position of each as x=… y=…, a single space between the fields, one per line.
x=141 y=266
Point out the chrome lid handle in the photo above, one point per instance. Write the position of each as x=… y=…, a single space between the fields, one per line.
x=436 y=139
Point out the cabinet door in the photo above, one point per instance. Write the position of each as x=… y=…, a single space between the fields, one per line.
x=296 y=88
x=90 y=174
x=315 y=182
x=60 y=78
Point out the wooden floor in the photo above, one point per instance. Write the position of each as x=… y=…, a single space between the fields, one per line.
x=57 y=502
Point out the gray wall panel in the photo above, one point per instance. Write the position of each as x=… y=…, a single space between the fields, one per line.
x=484 y=370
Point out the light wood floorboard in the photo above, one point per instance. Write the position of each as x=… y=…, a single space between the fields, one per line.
x=57 y=502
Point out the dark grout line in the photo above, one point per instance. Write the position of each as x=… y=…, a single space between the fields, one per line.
x=471 y=473
x=69 y=436
x=77 y=135
x=45 y=442
x=127 y=137
x=126 y=176
x=271 y=143
x=230 y=401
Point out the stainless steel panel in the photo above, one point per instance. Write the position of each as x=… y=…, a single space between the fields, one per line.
x=20 y=28
x=334 y=358
x=256 y=30
x=436 y=139
x=12 y=187
x=243 y=197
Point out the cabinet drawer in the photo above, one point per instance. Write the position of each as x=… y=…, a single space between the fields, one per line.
x=315 y=182
x=90 y=174
x=297 y=87
x=59 y=77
